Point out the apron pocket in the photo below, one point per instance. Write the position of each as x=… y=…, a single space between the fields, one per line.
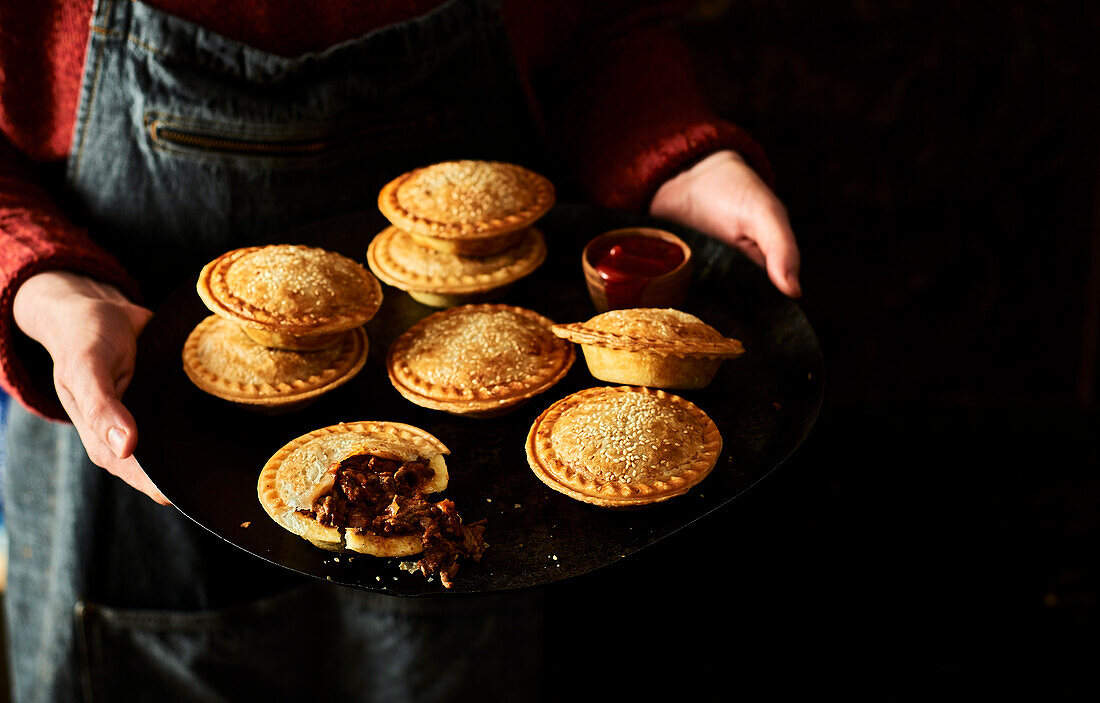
x=262 y=650
x=281 y=648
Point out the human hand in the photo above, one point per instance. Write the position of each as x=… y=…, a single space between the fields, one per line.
x=723 y=197
x=90 y=330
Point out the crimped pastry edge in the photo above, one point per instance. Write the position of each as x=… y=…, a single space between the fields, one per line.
x=332 y=538
x=456 y=400
x=213 y=291
x=346 y=367
x=390 y=272
x=542 y=197
x=581 y=334
x=542 y=458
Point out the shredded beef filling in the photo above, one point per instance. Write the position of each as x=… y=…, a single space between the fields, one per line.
x=382 y=496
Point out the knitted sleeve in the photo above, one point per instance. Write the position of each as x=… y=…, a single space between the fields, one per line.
x=618 y=96
x=35 y=236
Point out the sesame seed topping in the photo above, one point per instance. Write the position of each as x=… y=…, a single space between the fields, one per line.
x=302 y=283
x=618 y=437
x=479 y=349
x=458 y=192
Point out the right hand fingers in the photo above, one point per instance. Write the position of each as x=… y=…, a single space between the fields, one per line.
x=105 y=426
x=776 y=240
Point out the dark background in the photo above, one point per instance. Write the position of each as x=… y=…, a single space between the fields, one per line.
x=936 y=535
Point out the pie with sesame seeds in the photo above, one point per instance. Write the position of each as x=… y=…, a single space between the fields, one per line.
x=659 y=348
x=478 y=360
x=362 y=487
x=441 y=279
x=474 y=208
x=625 y=446
x=290 y=296
x=223 y=361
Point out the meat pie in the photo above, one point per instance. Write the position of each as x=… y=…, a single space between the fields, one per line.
x=364 y=487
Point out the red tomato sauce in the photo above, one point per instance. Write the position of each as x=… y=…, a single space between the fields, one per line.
x=630 y=264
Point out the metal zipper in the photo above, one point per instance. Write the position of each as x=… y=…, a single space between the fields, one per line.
x=160 y=132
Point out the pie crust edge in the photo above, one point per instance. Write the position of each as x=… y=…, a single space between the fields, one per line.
x=214 y=291
x=390 y=272
x=346 y=367
x=331 y=538
x=454 y=400
x=541 y=197
x=547 y=468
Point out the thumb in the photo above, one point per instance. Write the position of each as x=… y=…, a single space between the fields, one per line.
x=103 y=414
x=139 y=317
x=106 y=428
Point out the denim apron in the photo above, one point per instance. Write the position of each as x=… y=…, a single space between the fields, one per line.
x=188 y=144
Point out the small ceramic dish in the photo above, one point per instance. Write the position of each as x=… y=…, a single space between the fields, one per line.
x=637 y=267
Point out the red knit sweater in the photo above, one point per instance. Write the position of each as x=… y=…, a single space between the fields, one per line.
x=612 y=86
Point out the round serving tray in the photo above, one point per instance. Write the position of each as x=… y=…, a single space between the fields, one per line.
x=205 y=454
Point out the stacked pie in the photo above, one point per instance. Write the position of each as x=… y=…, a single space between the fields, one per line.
x=461 y=230
x=287 y=325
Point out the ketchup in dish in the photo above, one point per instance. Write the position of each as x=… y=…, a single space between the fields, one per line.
x=630 y=264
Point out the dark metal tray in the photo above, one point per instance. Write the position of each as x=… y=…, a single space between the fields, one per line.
x=205 y=454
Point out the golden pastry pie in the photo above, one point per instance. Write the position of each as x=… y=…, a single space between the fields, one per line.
x=363 y=487
x=290 y=296
x=442 y=280
x=222 y=360
x=618 y=447
x=473 y=208
x=660 y=348
x=478 y=360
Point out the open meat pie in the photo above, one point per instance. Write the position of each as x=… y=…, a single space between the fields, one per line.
x=364 y=487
